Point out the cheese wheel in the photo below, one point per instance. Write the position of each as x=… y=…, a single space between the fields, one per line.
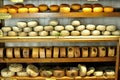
x=48 y=28
x=101 y=27
x=3 y=10
x=54 y=8
x=70 y=52
x=98 y=73
x=98 y=9
x=32 y=23
x=77 y=52
x=109 y=72
x=18 y=5
x=55 y=33
x=59 y=73
x=21 y=24
x=80 y=27
x=102 y=51
x=116 y=33
x=55 y=52
x=111 y=28
x=7 y=73
x=106 y=33
x=111 y=51
x=48 y=52
x=33 y=10
x=42 y=52
x=64 y=33
x=59 y=28
x=46 y=73
x=32 y=70
x=27 y=29
x=43 y=33
x=22 y=34
x=93 y=51
x=32 y=34
x=85 y=32
x=23 y=10
x=75 y=33
x=84 y=51
x=1 y=52
x=6 y=29
x=95 y=33
x=87 y=9
x=82 y=70
x=38 y=28
x=1 y=33
x=25 y=52
x=13 y=10
x=72 y=73
x=90 y=71
x=75 y=23
x=53 y=23
x=35 y=52
x=63 y=52
x=108 y=9
x=75 y=7
x=9 y=52
x=43 y=7
x=69 y=28
x=16 y=29
x=12 y=33
x=15 y=67
x=22 y=73
x=17 y=53
x=90 y=27
x=65 y=9
x=29 y=5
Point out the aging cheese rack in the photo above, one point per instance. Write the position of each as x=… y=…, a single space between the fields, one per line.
x=115 y=59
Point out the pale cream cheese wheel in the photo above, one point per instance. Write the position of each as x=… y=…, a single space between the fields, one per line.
x=116 y=33
x=9 y=52
x=64 y=33
x=109 y=73
x=95 y=33
x=48 y=28
x=90 y=27
x=25 y=52
x=42 y=53
x=111 y=28
x=32 y=23
x=12 y=33
x=85 y=33
x=75 y=33
x=77 y=52
x=93 y=51
x=90 y=71
x=59 y=28
x=106 y=33
x=82 y=70
x=55 y=52
x=69 y=27
x=53 y=22
x=63 y=52
x=101 y=51
x=21 y=24
x=85 y=52
x=22 y=73
x=15 y=67
x=35 y=52
x=16 y=29
x=70 y=52
x=43 y=33
x=101 y=27
x=38 y=28
x=54 y=33
x=98 y=73
x=75 y=23
x=22 y=34
x=32 y=34
x=48 y=52
x=1 y=52
x=80 y=27
x=17 y=52
x=27 y=29
x=58 y=73
x=5 y=72
x=6 y=29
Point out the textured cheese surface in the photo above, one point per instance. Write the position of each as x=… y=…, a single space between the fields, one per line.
x=1 y=52
x=25 y=52
x=63 y=52
x=35 y=52
x=48 y=52
x=55 y=52
x=17 y=52
x=9 y=52
x=42 y=52
x=84 y=51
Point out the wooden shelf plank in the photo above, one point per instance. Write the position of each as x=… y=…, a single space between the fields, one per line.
x=56 y=60
x=60 y=39
x=62 y=78
x=64 y=15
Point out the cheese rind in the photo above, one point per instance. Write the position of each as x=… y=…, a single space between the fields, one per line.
x=35 y=52
x=63 y=52
x=7 y=73
x=42 y=52
x=93 y=51
x=15 y=67
x=1 y=52
x=55 y=52
x=9 y=52
x=25 y=52
x=84 y=51
x=48 y=52
x=70 y=52
x=17 y=52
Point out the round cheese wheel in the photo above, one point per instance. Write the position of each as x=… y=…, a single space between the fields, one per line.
x=33 y=34
x=21 y=24
x=106 y=33
x=80 y=28
x=7 y=73
x=12 y=33
x=22 y=73
x=90 y=27
x=1 y=52
x=23 y=10
x=101 y=27
x=58 y=73
x=16 y=29
x=64 y=33
x=108 y=9
x=69 y=27
x=13 y=10
x=98 y=73
x=15 y=67
x=43 y=7
x=72 y=73
x=87 y=9
x=22 y=34
x=85 y=33
x=54 y=8
x=6 y=29
x=32 y=23
x=33 y=10
x=17 y=52
x=59 y=28
x=43 y=33
x=109 y=73
x=75 y=7
x=55 y=33
x=116 y=33
x=75 y=23
x=90 y=71
x=27 y=29
x=32 y=70
x=83 y=70
x=38 y=28
x=95 y=33
x=75 y=33
x=111 y=28
x=65 y=9
x=9 y=52
x=46 y=73
x=3 y=10
x=48 y=28
x=53 y=22
x=98 y=9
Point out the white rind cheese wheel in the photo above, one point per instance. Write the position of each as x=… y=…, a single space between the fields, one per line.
x=98 y=73
x=75 y=33
x=84 y=51
x=46 y=73
x=43 y=33
x=111 y=28
x=64 y=33
x=12 y=33
x=58 y=73
x=48 y=52
x=9 y=52
x=90 y=27
x=22 y=34
x=42 y=52
x=6 y=29
x=102 y=51
x=32 y=23
x=85 y=33
x=17 y=29
x=21 y=24
x=7 y=73
x=109 y=73
x=55 y=33
x=1 y=52
x=35 y=52
x=116 y=33
x=59 y=28
x=32 y=70
x=15 y=67
x=93 y=51
x=27 y=29
x=55 y=52
x=53 y=23
x=48 y=28
x=80 y=28
x=69 y=27
x=17 y=52
x=95 y=33
x=101 y=27
x=83 y=70
x=22 y=73
x=75 y=23
x=33 y=34
x=38 y=28
x=62 y=52
x=77 y=52
x=70 y=52
x=25 y=52
x=90 y=71
x=111 y=51
x=106 y=33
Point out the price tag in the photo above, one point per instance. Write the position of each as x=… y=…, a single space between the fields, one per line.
x=50 y=79
x=5 y=16
x=8 y=79
x=17 y=0
x=92 y=0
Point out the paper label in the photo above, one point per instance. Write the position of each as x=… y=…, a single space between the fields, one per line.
x=17 y=0
x=5 y=16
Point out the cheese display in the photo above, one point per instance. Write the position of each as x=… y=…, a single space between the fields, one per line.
x=25 y=52
x=1 y=52
x=3 y=10
x=9 y=52
x=86 y=8
x=48 y=52
x=7 y=73
x=62 y=52
x=15 y=67
x=35 y=52
x=85 y=52
x=70 y=51
x=17 y=53
x=42 y=52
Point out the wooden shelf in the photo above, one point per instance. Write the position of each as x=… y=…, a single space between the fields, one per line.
x=56 y=60
x=63 y=78
x=64 y=15
x=61 y=39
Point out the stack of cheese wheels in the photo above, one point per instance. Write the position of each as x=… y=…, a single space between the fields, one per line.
x=25 y=52
x=111 y=51
x=1 y=52
x=42 y=52
x=70 y=52
x=17 y=53
x=9 y=52
x=75 y=7
x=59 y=73
x=98 y=73
x=102 y=51
x=93 y=51
x=35 y=52
x=15 y=67
x=54 y=8
x=32 y=70
x=46 y=73
x=97 y=8
x=84 y=51
x=82 y=70
x=62 y=52
x=22 y=73
x=86 y=8
x=64 y=8
x=90 y=71
x=5 y=30
x=109 y=72
x=55 y=52
x=7 y=73
x=43 y=7
x=48 y=52
x=77 y=52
